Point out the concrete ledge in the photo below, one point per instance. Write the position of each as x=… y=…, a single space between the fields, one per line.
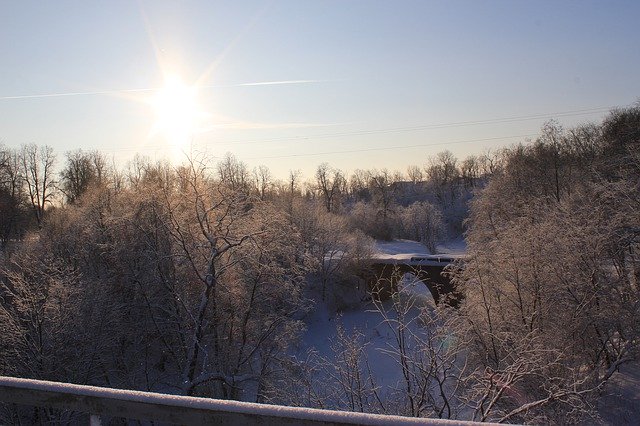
x=184 y=410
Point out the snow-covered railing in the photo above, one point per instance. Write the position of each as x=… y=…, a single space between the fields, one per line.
x=119 y=403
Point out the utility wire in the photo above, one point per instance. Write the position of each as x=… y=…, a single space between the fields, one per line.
x=388 y=148
x=394 y=130
x=424 y=127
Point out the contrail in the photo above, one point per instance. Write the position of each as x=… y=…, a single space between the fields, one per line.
x=274 y=83
x=154 y=89
x=55 y=95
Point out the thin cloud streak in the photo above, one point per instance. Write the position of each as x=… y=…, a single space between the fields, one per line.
x=94 y=93
x=154 y=89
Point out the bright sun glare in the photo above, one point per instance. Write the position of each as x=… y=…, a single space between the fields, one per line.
x=177 y=112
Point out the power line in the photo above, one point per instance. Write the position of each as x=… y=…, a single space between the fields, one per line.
x=394 y=130
x=425 y=126
x=388 y=148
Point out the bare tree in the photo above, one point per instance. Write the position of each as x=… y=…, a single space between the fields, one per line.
x=234 y=173
x=331 y=184
x=383 y=186
x=262 y=181
x=422 y=222
x=490 y=162
x=336 y=249
x=359 y=185
x=295 y=176
x=549 y=281
x=13 y=217
x=470 y=171
x=428 y=347
x=77 y=175
x=38 y=172
x=415 y=174
x=443 y=175
x=232 y=252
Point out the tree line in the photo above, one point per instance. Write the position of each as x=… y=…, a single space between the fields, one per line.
x=34 y=182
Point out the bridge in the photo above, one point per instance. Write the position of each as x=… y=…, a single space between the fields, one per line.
x=394 y=259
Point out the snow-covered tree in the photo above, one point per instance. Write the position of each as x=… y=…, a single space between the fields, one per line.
x=549 y=283
x=422 y=221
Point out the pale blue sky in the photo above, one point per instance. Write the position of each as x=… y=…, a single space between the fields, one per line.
x=383 y=74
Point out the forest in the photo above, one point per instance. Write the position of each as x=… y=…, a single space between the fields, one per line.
x=198 y=278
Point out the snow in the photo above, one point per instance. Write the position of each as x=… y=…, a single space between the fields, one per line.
x=621 y=404
x=322 y=330
x=399 y=249
x=457 y=247
x=407 y=251
x=322 y=322
x=407 y=248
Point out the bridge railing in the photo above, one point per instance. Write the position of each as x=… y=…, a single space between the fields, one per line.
x=174 y=409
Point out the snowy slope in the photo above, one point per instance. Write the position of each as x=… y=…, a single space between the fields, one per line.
x=322 y=330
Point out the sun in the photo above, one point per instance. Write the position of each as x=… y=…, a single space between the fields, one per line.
x=177 y=113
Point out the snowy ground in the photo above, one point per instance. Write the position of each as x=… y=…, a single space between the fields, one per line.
x=621 y=405
x=322 y=330
x=453 y=247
